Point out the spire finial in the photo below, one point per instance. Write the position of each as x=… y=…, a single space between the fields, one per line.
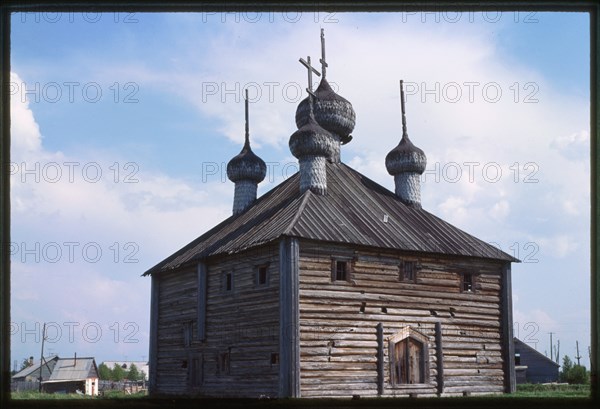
x=247 y=142
x=404 y=131
x=310 y=69
x=322 y=60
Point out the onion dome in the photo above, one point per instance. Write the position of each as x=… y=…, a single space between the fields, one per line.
x=405 y=157
x=311 y=139
x=246 y=166
x=331 y=111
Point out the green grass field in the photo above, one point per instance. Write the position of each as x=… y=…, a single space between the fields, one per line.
x=528 y=396
x=73 y=396
x=551 y=391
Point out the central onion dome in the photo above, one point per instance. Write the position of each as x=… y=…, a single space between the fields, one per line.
x=246 y=166
x=405 y=157
x=311 y=139
x=333 y=112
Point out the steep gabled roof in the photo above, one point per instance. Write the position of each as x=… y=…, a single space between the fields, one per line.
x=35 y=367
x=523 y=346
x=356 y=210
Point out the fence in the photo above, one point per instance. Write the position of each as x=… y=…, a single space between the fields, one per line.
x=20 y=386
x=123 y=386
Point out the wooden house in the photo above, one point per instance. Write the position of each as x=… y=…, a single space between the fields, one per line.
x=330 y=285
x=71 y=375
x=62 y=375
x=532 y=366
x=32 y=372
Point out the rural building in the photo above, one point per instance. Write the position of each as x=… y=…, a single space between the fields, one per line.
x=32 y=372
x=330 y=285
x=63 y=375
x=532 y=366
x=71 y=375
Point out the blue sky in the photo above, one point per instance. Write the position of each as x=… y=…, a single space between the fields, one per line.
x=122 y=125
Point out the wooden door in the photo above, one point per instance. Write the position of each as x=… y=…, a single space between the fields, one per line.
x=415 y=361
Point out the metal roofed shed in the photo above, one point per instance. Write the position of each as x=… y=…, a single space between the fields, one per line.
x=73 y=374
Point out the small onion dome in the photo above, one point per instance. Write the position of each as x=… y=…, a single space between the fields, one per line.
x=312 y=140
x=331 y=111
x=246 y=166
x=405 y=157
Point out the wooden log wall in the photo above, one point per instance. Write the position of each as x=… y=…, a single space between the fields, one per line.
x=338 y=342
x=243 y=322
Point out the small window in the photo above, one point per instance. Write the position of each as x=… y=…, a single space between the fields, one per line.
x=340 y=270
x=187 y=334
x=262 y=276
x=224 y=361
x=408 y=271
x=517 y=359
x=467 y=283
x=228 y=281
x=274 y=358
x=195 y=372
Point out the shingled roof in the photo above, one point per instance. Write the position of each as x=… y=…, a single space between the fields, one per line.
x=356 y=210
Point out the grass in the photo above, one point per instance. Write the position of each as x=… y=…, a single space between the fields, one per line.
x=532 y=390
x=530 y=396
x=35 y=395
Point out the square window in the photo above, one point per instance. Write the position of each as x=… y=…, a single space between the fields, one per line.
x=341 y=270
x=408 y=271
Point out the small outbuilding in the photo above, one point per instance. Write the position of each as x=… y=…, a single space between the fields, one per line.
x=73 y=374
x=532 y=366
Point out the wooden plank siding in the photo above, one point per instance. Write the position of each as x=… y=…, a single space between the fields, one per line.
x=338 y=322
x=243 y=322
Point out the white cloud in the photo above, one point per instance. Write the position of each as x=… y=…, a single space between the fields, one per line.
x=558 y=246
x=56 y=214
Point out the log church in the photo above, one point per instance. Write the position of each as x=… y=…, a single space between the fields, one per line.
x=330 y=285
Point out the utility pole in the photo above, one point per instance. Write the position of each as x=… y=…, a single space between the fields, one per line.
x=42 y=355
x=557 y=351
x=551 y=354
x=578 y=357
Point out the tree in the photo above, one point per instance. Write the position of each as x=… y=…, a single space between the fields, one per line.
x=118 y=373
x=566 y=368
x=142 y=376
x=573 y=374
x=26 y=363
x=133 y=374
x=104 y=372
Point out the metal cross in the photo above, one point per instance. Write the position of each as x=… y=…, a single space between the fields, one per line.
x=404 y=131
x=310 y=69
x=322 y=59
